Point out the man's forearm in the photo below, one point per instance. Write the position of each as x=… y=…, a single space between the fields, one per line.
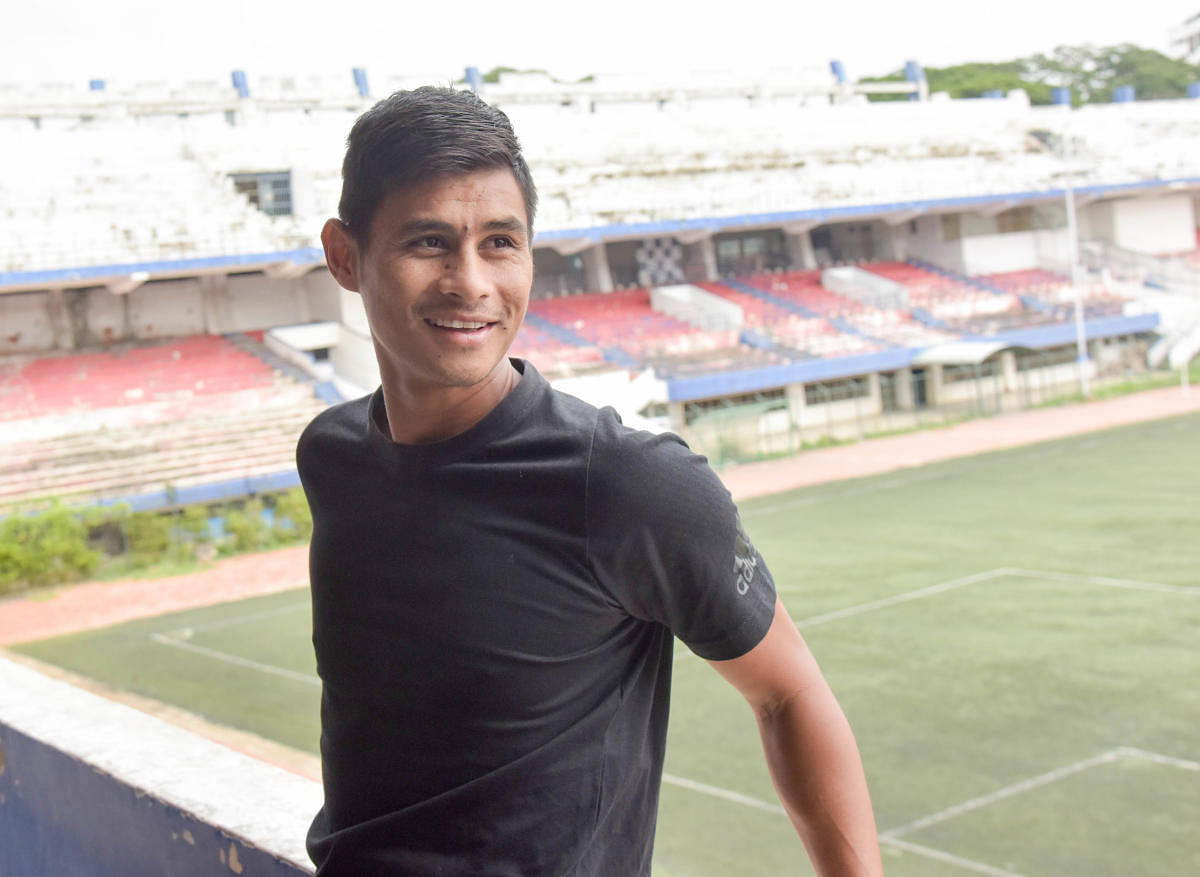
x=817 y=771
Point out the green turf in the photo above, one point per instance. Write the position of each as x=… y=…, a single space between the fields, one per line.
x=1024 y=663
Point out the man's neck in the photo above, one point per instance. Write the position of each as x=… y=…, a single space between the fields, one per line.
x=421 y=416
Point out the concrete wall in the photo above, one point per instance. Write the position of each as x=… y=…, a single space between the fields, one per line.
x=1156 y=225
x=76 y=318
x=92 y=788
x=927 y=243
x=27 y=323
x=323 y=294
x=165 y=308
x=1159 y=225
x=1014 y=251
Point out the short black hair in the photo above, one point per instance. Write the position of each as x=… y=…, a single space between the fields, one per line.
x=421 y=134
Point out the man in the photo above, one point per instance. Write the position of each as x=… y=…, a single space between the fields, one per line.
x=498 y=569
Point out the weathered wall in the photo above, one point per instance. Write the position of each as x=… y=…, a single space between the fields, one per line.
x=91 y=788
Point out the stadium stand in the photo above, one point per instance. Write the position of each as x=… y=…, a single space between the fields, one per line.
x=744 y=192
x=625 y=320
x=107 y=425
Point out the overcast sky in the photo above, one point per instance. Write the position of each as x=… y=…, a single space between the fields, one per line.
x=74 y=40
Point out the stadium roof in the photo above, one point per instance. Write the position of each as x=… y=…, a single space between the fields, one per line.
x=297 y=261
x=960 y=353
x=817 y=370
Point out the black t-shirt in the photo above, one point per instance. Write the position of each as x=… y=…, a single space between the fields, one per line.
x=493 y=619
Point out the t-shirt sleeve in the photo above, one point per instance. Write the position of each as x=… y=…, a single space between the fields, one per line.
x=666 y=543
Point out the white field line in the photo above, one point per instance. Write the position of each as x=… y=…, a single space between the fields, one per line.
x=242 y=619
x=724 y=794
x=1044 y=779
x=682 y=652
x=1105 y=581
x=1006 y=792
x=776 y=810
x=308 y=678
x=891 y=837
x=1167 y=760
x=999 y=572
x=918 y=594
x=948 y=858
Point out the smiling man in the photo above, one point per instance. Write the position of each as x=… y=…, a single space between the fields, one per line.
x=499 y=569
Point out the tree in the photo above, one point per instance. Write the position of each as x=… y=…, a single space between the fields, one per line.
x=1090 y=72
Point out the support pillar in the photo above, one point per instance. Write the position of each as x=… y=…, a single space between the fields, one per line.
x=904 y=389
x=933 y=385
x=797 y=402
x=702 y=256
x=675 y=415
x=59 y=319
x=800 y=250
x=1008 y=369
x=874 y=395
x=597 y=275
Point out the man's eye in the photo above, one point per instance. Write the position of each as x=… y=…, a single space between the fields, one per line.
x=502 y=242
x=431 y=242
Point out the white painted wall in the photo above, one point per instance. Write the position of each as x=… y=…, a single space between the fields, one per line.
x=165 y=308
x=27 y=323
x=354 y=358
x=323 y=293
x=927 y=244
x=256 y=302
x=1014 y=251
x=104 y=313
x=1160 y=225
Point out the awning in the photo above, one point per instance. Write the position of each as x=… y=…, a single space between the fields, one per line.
x=960 y=353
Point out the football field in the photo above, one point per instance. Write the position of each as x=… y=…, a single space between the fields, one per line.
x=1015 y=638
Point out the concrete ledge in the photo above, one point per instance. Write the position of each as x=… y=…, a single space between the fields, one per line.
x=91 y=787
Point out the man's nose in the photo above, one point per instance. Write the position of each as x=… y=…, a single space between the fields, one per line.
x=464 y=274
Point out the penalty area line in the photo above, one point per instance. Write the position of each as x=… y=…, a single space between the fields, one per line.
x=723 y=794
x=948 y=858
x=776 y=810
x=236 y=660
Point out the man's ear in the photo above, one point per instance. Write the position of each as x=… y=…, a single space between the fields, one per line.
x=341 y=254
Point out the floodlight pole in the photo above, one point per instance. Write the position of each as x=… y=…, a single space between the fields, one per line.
x=1073 y=256
x=1081 y=351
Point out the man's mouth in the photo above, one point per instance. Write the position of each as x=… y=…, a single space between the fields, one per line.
x=456 y=324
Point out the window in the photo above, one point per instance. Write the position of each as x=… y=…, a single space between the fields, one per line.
x=1017 y=219
x=952 y=374
x=951 y=227
x=836 y=391
x=1031 y=359
x=732 y=405
x=270 y=192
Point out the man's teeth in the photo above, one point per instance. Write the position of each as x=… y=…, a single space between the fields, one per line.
x=458 y=324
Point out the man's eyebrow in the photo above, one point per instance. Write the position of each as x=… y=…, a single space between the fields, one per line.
x=426 y=226
x=511 y=223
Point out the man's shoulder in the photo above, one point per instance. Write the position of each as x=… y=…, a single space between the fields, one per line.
x=343 y=422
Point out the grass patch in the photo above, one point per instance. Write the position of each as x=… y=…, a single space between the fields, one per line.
x=1064 y=629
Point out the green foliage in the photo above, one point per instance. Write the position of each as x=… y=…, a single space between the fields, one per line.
x=44 y=549
x=147 y=536
x=247 y=528
x=1090 y=72
x=292 y=515
x=59 y=544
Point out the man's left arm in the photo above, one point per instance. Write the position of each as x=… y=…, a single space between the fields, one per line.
x=810 y=750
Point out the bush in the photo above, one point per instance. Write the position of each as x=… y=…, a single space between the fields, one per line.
x=44 y=549
x=59 y=544
x=292 y=516
x=147 y=537
x=248 y=528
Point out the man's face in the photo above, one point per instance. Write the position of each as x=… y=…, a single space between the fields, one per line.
x=445 y=276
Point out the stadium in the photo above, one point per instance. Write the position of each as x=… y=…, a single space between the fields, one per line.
x=759 y=266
